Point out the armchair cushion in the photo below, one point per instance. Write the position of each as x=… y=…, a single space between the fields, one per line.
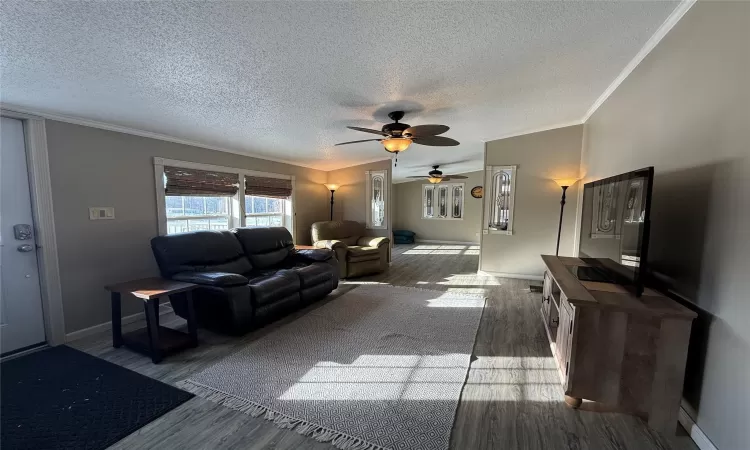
x=331 y=244
x=368 y=241
x=347 y=231
x=218 y=279
x=358 y=254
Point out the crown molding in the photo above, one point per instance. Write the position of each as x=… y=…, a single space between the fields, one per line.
x=39 y=114
x=662 y=31
x=535 y=130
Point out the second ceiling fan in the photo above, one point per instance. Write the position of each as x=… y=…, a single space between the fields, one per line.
x=435 y=176
x=397 y=137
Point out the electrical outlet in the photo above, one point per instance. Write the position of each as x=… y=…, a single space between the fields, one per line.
x=102 y=213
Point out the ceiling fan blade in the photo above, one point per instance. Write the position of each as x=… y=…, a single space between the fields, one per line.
x=367 y=130
x=354 y=142
x=456 y=177
x=426 y=130
x=437 y=141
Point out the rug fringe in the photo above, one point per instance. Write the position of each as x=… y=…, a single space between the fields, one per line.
x=339 y=440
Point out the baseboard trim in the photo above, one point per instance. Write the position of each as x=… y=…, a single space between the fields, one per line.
x=106 y=326
x=517 y=276
x=696 y=434
x=433 y=241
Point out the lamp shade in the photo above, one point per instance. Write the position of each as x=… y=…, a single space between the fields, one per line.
x=566 y=182
x=396 y=145
x=435 y=180
x=331 y=186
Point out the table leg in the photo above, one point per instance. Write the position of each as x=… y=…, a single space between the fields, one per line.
x=152 y=322
x=155 y=305
x=116 y=320
x=191 y=321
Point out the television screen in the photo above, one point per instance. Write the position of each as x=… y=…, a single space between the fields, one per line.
x=615 y=229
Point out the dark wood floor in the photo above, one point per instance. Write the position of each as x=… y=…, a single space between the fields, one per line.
x=512 y=398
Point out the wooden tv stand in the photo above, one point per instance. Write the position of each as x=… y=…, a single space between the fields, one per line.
x=613 y=348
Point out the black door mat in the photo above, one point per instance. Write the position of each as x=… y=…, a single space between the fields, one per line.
x=61 y=398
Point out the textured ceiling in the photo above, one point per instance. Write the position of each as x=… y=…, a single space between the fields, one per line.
x=283 y=79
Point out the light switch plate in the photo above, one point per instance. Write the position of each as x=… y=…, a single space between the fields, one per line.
x=102 y=213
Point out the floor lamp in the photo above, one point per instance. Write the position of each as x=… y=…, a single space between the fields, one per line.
x=564 y=183
x=332 y=188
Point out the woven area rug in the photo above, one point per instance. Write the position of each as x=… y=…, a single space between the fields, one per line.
x=380 y=367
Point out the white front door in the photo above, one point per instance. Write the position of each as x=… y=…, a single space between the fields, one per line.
x=21 y=320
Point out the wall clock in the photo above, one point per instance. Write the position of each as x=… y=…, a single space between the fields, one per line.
x=477 y=191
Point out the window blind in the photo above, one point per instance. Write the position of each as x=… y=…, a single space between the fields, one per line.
x=268 y=187
x=194 y=182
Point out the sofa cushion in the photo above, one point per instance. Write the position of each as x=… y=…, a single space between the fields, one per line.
x=199 y=251
x=314 y=274
x=265 y=247
x=267 y=288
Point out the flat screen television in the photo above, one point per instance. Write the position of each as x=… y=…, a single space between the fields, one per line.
x=615 y=229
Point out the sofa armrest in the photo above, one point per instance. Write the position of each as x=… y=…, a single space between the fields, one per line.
x=316 y=255
x=217 y=279
x=331 y=244
x=369 y=241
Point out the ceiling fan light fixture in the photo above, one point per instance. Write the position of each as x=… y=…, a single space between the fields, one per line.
x=396 y=144
x=435 y=180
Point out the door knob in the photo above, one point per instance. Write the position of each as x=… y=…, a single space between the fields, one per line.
x=25 y=248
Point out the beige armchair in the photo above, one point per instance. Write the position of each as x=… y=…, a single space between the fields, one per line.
x=357 y=254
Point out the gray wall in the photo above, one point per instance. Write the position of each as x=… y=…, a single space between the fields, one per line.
x=408 y=212
x=686 y=111
x=540 y=157
x=350 y=201
x=93 y=167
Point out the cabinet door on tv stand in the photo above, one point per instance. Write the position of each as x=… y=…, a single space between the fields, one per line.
x=564 y=339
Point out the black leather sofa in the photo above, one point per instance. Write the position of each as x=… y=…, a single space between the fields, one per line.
x=247 y=277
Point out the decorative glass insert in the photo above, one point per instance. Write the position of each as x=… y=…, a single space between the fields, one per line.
x=377 y=195
x=500 y=182
x=427 y=201
x=457 y=208
x=443 y=201
x=378 y=202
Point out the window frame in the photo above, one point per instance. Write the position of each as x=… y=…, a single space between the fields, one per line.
x=449 y=201
x=237 y=216
x=490 y=199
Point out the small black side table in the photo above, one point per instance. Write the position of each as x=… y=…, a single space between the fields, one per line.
x=154 y=340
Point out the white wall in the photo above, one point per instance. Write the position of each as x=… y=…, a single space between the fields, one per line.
x=686 y=111
x=408 y=212
x=540 y=157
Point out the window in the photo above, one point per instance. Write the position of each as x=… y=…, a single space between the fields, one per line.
x=194 y=197
x=443 y=201
x=264 y=211
x=377 y=198
x=500 y=191
x=186 y=213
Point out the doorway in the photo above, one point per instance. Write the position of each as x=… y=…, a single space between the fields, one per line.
x=21 y=314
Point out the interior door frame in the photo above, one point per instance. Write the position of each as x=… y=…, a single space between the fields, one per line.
x=37 y=161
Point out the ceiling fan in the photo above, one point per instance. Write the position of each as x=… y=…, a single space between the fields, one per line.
x=397 y=137
x=435 y=176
